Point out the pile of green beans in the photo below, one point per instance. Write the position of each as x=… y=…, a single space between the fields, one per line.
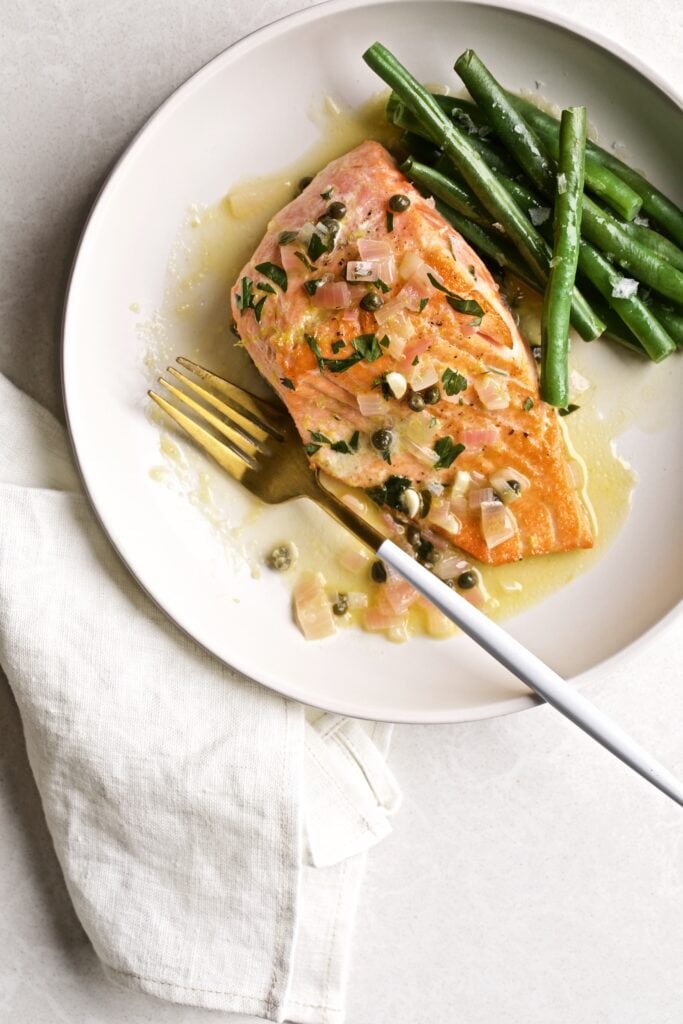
x=566 y=208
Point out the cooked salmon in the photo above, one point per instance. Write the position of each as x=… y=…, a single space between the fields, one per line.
x=402 y=366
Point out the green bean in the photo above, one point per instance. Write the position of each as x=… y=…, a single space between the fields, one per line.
x=635 y=314
x=655 y=204
x=652 y=240
x=518 y=138
x=419 y=147
x=605 y=232
x=627 y=315
x=446 y=189
x=483 y=182
x=566 y=238
x=401 y=116
x=599 y=179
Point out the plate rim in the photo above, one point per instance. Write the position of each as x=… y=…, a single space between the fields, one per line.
x=501 y=708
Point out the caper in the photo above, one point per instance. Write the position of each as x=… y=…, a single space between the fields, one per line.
x=371 y=302
x=305 y=182
x=413 y=536
x=399 y=203
x=382 y=439
x=341 y=605
x=280 y=558
x=467 y=580
x=416 y=402
x=426 y=499
x=514 y=484
x=378 y=571
x=431 y=395
x=337 y=210
x=425 y=552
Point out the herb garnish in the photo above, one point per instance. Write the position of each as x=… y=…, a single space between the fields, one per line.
x=367 y=347
x=453 y=382
x=276 y=274
x=313 y=285
x=458 y=303
x=263 y=286
x=570 y=409
x=422 y=304
x=315 y=349
x=306 y=262
x=327 y=194
x=345 y=447
x=390 y=492
x=287 y=383
x=528 y=404
x=337 y=345
x=258 y=308
x=447 y=452
x=381 y=285
x=245 y=298
x=390 y=221
x=316 y=247
x=285 y=237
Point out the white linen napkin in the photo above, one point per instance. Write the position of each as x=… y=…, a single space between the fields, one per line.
x=211 y=833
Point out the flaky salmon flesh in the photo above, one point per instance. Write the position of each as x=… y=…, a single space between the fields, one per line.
x=402 y=366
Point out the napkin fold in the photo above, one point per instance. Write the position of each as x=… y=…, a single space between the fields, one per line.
x=212 y=834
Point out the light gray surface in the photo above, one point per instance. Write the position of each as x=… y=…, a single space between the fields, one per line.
x=530 y=877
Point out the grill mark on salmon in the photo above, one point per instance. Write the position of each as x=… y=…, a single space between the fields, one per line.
x=491 y=355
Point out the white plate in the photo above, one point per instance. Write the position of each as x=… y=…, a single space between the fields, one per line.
x=244 y=114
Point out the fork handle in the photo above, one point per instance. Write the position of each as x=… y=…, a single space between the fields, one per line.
x=531 y=670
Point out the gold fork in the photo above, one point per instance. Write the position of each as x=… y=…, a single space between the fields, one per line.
x=260 y=447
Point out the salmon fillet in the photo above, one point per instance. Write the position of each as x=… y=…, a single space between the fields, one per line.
x=434 y=390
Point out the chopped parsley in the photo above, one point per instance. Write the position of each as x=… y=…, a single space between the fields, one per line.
x=313 y=285
x=453 y=382
x=287 y=383
x=315 y=349
x=367 y=346
x=263 y=286
x=380 y=285
x=258 y=308
x=275 y=273
x=528 y=404
x=386 y=455
x=327 y=194
x=304 y=259
x=390 y=492
x=316 y=247
x=447 y=452
x=245 y=297
x=344 y=447
x=390 y=221
x=570 y=409
x=422 y=304
x=286 y=237
x=337 y=345
x=470 y=306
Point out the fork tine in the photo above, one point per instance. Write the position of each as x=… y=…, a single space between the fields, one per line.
x=242 y=426
x=257 y=410
x=244 y=449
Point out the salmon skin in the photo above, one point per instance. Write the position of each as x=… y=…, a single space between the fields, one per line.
x=402 y=366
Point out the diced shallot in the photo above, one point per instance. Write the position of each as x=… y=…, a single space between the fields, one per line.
x=354 y=559
x=378 y=619
x=441 y=515
x=461 y=484
x=361 y=270
x=438 y=624
x=409 y=264
x=481 y=437
x=396 y=347
x=356 y=599
x=373 y=249
x=372 y=403
x=333 y=295
x=312 y=607
x=508 y=473
x=399 y=595
x=497 y=524
x=492 y=391
x=423 y=375
x=386 y=270
x=450 y=566
x=476 y=498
